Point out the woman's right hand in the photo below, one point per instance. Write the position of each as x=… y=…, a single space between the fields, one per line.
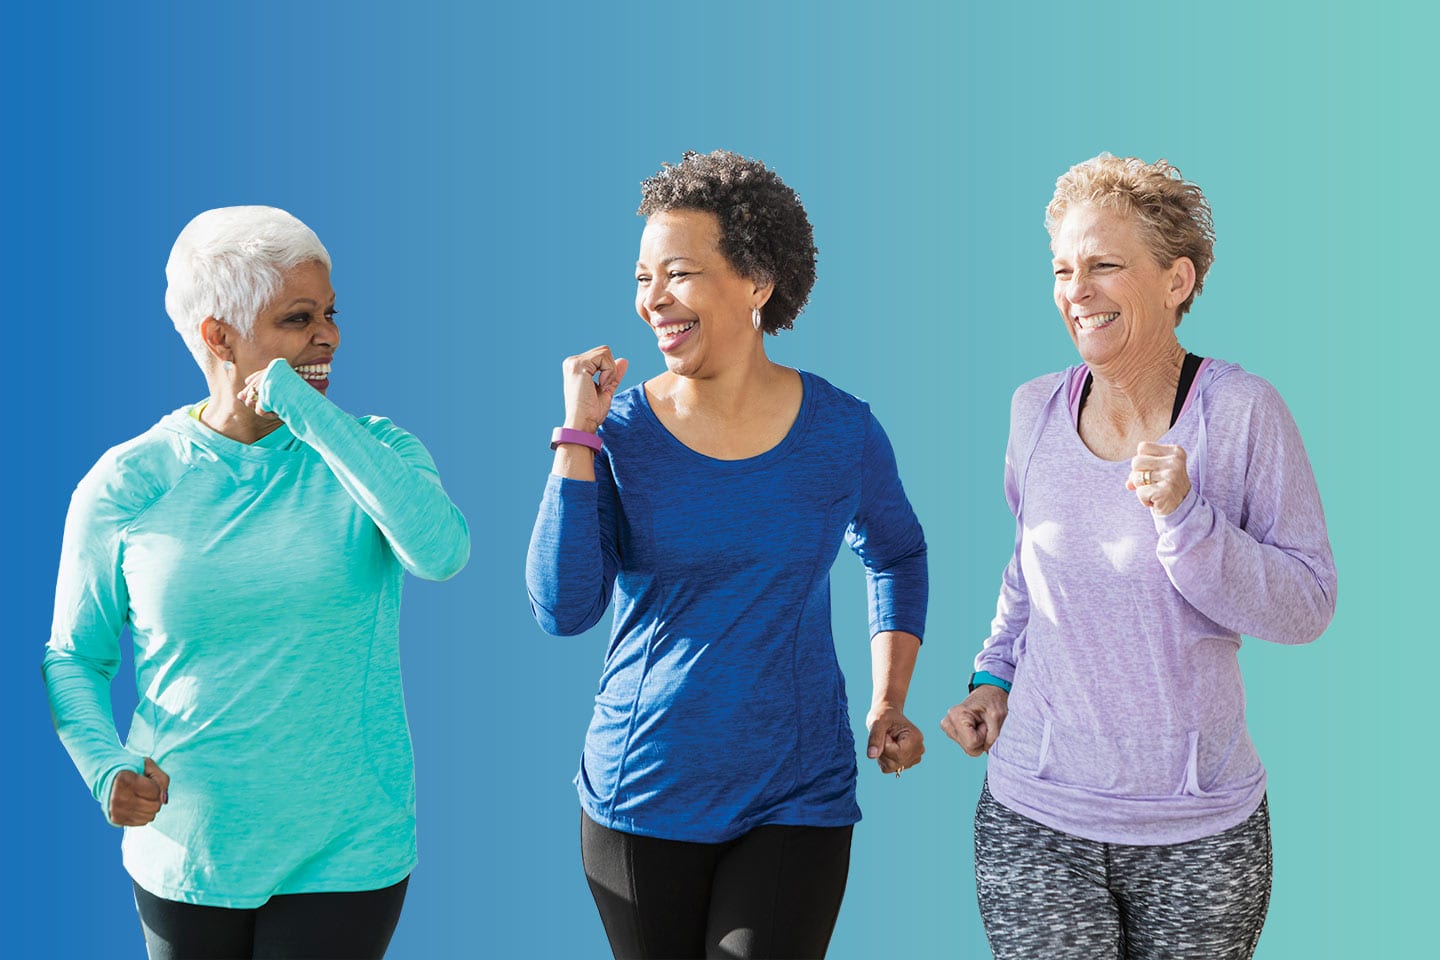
x=591 y=379
x=135 y=799
x=975 y=722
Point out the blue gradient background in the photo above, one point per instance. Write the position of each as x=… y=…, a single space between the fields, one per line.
x=474 y=173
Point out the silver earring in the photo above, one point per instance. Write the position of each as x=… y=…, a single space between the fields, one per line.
x=755 y=317
x=228 y=366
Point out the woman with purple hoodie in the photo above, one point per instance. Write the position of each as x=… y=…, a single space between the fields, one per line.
x=1164 y=506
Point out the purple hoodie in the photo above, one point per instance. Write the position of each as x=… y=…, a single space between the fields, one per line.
x=1119 y=629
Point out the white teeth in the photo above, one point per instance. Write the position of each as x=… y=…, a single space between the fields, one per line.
x=1095 y=320
x=673 y=330
x=314 y=371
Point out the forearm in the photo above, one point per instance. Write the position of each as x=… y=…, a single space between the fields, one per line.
x=566 y=569
x=80 y=707
x=574 y=461
x=399 y=491
x=892 y=663
x=1283 y=593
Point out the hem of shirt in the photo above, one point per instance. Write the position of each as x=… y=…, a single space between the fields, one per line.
x=1131 y=822
x=729 y=832
x=207 y=898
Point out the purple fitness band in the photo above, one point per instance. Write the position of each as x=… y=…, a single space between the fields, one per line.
x=566 y=435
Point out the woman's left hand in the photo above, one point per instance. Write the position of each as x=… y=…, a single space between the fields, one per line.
x=249 y=395
x=1158 y=477
x=896 y=744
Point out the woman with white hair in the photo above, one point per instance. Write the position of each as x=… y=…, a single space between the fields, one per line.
x=254 y=544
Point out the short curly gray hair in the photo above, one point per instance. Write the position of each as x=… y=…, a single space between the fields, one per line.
x=764 y=231
x=1174 y=215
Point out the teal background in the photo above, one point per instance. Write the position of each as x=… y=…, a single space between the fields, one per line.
x=474 y=173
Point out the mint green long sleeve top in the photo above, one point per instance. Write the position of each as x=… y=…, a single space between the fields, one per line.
x=261 y=585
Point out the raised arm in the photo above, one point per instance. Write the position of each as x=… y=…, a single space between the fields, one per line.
x=387 y=471
x=1268 y=573
x=574 y=554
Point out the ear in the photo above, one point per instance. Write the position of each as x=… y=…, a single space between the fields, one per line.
x=1182 y=281
x=762 y=293
x=219 y=338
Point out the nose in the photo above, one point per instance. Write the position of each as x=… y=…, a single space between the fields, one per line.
x=327 y=333
x=1077 y=288
x=654 y=296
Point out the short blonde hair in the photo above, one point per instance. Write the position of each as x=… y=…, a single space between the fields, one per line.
x=1174 y=215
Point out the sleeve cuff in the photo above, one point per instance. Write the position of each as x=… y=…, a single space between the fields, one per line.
x=980 y=678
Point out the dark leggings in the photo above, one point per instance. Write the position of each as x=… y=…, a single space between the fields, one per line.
x=334 y=926
x=1048 y=894
x=772 y=892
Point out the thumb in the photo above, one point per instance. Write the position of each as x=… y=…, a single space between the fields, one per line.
x=160 y=778
x=878 y=730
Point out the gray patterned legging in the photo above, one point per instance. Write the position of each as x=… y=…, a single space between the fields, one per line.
x=1047 y=894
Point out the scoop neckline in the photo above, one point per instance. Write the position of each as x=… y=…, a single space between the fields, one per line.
x=1074 y=422
x=777 y=452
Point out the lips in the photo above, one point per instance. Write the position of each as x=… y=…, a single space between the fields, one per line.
x=1096 y=320
x=670 y=335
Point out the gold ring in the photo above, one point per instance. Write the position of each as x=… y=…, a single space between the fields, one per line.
x=1145 y=479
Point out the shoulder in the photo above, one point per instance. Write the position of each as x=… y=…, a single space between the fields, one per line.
x=1231 y=393
x=1028 y=402
x=132 y=475
x=1032 y=394
x=838 y=406
x=625 y=408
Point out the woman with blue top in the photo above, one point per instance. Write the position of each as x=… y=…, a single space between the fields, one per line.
x=1164 y=506
x=717 y=783
x=255 y=545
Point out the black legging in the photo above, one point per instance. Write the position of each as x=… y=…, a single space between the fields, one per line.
x=772 y=892
x=352 y=926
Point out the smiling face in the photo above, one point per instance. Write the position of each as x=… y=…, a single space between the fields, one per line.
x=298 y=324
x=1115 y=299
x=690 y=295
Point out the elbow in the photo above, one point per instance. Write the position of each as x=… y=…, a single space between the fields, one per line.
x=557 y=625
x=447 y=556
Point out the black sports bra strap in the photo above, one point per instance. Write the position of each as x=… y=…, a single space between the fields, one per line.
x=1188 y=369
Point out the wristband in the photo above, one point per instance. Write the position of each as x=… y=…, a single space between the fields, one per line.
x=566 y=435
x=980 y=678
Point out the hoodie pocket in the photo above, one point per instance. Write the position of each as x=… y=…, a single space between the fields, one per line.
x=1131 y=766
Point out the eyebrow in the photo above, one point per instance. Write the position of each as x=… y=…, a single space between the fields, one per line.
x=666 y=260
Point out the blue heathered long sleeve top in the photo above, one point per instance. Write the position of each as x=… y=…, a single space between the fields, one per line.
x=261 y=585
x=721 y=705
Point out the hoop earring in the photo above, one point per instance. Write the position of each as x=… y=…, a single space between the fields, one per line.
x=755 y=318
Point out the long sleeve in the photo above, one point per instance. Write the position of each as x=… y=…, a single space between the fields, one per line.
x=998 y=655
x=1268 y=572
x=570 y=567
x=889 y=540
x=384 y=469
x=83 y=654
x=1012 y=609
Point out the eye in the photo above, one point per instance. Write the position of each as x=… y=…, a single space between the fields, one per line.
x=299 y=319
x=677 y=274
x=1106 y=266
x=642 y=278
x=331 y=314
x=1062 y=273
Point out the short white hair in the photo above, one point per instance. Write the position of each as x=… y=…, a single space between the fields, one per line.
x=228 y=263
